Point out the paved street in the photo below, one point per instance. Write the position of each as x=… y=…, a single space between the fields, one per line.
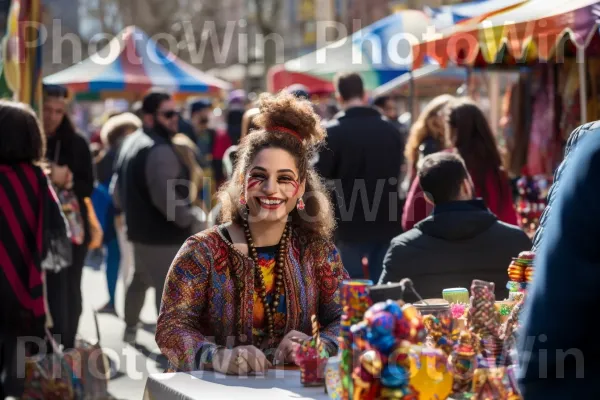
x=132 y=365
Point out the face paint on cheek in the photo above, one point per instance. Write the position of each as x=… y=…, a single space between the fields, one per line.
x=296 y=186
x=253 y=182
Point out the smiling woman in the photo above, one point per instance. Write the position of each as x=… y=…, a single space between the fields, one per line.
x=253 y=282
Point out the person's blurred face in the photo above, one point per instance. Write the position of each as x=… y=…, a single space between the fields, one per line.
x=436 y=123
x=167 y=116
x=54 y=111
x=201 y=118
x=390 y=110
x=272 y=186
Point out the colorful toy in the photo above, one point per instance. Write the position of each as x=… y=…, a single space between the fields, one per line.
x=463 y=362
x=312 y=357
x=439 y=332
x=429 y=374
x=384 y=339
x=355 y=300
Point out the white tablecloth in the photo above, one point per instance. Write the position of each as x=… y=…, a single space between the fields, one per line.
x=208 y=385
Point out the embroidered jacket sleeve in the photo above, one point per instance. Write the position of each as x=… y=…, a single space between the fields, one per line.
x=330 y=275
x=178 y=330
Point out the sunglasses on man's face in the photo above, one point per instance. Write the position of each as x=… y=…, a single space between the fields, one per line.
x=168 y=114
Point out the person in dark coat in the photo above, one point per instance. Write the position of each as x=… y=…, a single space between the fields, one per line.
x=68 y=152
x=362 y=159
x=461 y=241
x=558 y=349
x=572 y=143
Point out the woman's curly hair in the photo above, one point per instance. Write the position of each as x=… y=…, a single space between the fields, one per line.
x=290 y=124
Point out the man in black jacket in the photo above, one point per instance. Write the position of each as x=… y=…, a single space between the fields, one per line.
x=461 y=241
x=150 y=186
x=362 y=161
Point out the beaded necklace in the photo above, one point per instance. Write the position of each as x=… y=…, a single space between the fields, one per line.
x=270 y=309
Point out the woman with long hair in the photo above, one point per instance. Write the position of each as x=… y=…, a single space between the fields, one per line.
x=252 y=283
x=30 y=222
x=469 y=134
x=426 y=135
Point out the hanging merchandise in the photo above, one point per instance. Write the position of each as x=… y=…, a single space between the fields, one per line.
x=543 y=147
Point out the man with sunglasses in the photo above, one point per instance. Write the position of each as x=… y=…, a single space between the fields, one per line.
x=151 y=185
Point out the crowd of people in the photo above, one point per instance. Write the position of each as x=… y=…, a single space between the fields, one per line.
x=304 y=203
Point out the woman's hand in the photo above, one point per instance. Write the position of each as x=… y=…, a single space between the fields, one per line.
x=240 y=360
x=60 y=175
x=286 y=352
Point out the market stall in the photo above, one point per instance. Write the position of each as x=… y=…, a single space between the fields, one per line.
x=459 y=346
x=131 y=64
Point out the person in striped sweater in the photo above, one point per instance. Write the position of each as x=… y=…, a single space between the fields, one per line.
x=31 y=224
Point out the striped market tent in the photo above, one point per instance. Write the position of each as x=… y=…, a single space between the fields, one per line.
x=132 y=63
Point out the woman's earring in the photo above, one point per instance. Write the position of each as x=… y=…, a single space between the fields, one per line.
x=301 y=204
x=243 y=200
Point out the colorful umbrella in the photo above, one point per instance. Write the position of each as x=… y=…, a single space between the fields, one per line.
x=133 y=62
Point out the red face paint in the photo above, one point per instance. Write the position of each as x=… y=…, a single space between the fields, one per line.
x=252 y=182
x=296 y=187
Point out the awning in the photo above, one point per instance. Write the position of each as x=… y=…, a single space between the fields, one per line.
x=379 y=52
x=132 y=62
x=448 y=18
x=427 y=79
x=530 y=32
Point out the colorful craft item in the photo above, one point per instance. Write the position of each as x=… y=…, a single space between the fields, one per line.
x=439 y=331
x=355 y=300
x=516 y=272
x=529 y=274
x=333 y=379
x=458 y=310
x=429 y=374
x=513 y=286
x=312 y=357
x=527 y=256
x=383 y=340
x=489 y=384
x=504 y=309
x=516 y=296
x=456 y=295
x=463 y=362
x=484 y=319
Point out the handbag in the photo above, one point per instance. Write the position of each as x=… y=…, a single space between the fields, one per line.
x=57 y=238
x=49 y=376
x=90 y=367
x=78 y=374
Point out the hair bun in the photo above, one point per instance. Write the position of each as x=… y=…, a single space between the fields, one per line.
x=295 y=115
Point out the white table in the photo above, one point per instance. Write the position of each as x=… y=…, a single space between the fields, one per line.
x=208 y=385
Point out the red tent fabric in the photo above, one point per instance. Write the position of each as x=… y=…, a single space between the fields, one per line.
x=278 y=79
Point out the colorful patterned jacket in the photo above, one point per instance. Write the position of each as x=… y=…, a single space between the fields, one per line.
x=208 y=297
